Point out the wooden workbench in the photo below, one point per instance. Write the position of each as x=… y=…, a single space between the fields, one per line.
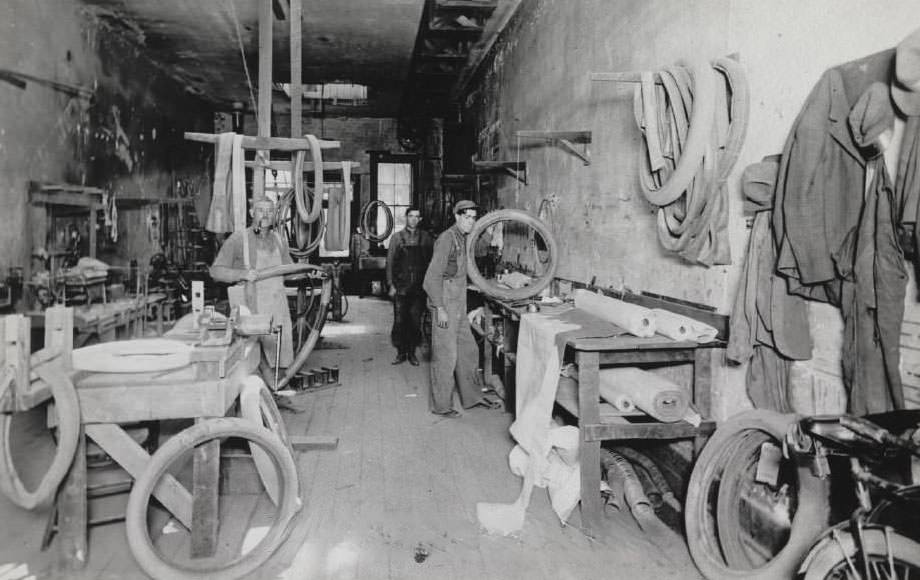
x=123 y=318
x=599 y=421
x=204 y=389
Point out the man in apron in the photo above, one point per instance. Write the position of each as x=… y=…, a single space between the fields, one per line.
x=454 y=353
x=407 y=259
x=266 y=247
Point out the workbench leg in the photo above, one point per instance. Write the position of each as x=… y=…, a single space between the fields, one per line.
x=702 y=389
x=72 y=512
x=160 y=319
x=205 y=500
x=592 y=510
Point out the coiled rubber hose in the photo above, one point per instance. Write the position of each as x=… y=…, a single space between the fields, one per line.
x=366 y=224
x=147 y=556
x=300 y=196
x=707 y=478
x=67 y=406
x=654 y=472
x=303 y=238
x=491 y=288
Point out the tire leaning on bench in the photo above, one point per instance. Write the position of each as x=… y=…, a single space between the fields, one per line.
x=67 y=406
x=136 y=528
x=493 y=289
x=703 y=535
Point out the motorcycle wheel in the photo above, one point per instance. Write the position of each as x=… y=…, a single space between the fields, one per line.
x=888 y=555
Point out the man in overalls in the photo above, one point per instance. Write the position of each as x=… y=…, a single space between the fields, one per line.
x=407 y=259
x=266 y=247
x=453 y=348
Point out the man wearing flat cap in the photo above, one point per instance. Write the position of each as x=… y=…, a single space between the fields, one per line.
x=454 y=354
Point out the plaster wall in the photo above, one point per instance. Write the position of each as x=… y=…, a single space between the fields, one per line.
x=538 y=79
x=126 y=139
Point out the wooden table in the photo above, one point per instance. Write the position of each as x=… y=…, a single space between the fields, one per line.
x=204 y=389
x=599 y=421
x=122 y=318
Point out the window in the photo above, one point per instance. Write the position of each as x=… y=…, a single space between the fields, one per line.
x=394 y=188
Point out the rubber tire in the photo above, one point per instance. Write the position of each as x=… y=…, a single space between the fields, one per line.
x=702 y=535
x=733 y=549
x=69 y=432
x=260 y=409
x=525 y=218
x=136 y=514
x=827 y=556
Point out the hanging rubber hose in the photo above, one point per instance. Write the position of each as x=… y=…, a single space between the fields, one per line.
x=67 y=406
x=703 y=534
x=258 y=406
x=491 y=288
x=684 y=162
x=150 y=559
x=366 y=213
x=309 y=216
x=303 y=238
x=313 y=338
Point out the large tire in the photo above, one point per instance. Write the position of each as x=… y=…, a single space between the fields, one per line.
x=828 y=559
x=257 y=405
x=703 y=534
x=512 y=293
x=67 y=406
x=136 y=514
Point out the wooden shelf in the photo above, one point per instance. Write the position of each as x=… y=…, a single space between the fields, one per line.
x=265 y=143
x=566 y=139
x=516 y=169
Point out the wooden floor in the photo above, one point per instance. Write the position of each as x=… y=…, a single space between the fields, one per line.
x=401 y=481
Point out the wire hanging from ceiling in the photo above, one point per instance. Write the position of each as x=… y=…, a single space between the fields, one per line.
x=239 y=40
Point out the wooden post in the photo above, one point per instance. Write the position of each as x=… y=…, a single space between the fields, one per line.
x=592 y=510
x=265 y=90
x=205 y=500
x=15 y=355
x=296 y=16
x=72 y=512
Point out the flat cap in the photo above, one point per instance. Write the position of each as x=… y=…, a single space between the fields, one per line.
x=905 y=87
x=463 y=205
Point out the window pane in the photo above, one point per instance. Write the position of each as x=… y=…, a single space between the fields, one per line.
x=403 y=174
x=385 y=173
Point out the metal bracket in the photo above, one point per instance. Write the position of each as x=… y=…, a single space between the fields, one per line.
x=566 y=139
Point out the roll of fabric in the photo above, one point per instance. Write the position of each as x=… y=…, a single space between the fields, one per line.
x=619 y=400
x=651 y=393
x=634 y=319
x=683 y=327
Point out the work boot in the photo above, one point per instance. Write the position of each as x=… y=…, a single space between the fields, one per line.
x=400 y=358
x=412 y=360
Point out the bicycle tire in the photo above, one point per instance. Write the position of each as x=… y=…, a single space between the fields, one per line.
x=493 y=289
x=828 y=559
x=702 y=531
x=136 y=529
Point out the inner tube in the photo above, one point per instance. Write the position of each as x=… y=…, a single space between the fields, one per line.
x=138 y=533
x=366 y=221
x=491 y=288
x=67 y=406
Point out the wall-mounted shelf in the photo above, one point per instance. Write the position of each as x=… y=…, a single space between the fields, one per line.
x=566 y=139
x=516 y=169
x=622 y=77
